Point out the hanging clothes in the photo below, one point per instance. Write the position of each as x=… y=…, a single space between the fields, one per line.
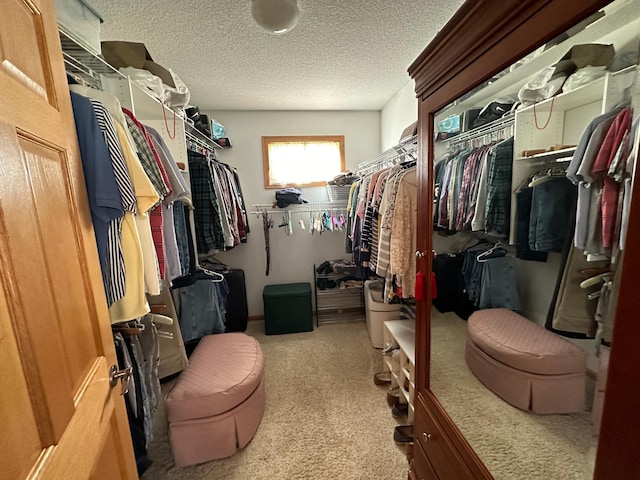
x=552 y=214
x=588 y=219
x=156 y=173
x=473 y=189
x=105 y=201
x=133 y=303
x=133 y=403
x=201 y=306
x=209 y=233
x=612 y=144
x=523 y=208
x=489 y=276
x=498 y=206
x=403 y=238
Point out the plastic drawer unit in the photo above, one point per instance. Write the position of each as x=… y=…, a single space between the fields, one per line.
x=377 y=312
x=287 y=308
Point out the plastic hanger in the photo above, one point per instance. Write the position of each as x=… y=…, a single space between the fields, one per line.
x=483 y=257
x=129 y=328
x=538 y=180
x=216 y=277
x=161 y=319
x=595 y=280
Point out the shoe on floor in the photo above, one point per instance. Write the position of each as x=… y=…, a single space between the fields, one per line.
x=403 y=434
x=399 y=409
x=382 y=378
x=389 y=349
x=393 y=396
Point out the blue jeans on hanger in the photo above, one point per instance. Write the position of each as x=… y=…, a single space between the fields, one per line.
x=201 y=308
x=553 y=206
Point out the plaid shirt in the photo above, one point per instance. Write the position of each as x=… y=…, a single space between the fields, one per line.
x=145 y=154
x=468 y=175
x=498 y=206
x=209 y=235
x=610 y=189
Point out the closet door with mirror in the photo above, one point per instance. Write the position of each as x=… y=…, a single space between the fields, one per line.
x=487 y=52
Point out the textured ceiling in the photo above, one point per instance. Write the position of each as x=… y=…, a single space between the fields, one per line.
x=342 y=55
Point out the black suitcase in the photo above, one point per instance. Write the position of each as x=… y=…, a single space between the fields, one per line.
x=237 y=310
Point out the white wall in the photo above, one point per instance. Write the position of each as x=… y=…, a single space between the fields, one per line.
x=292 y=257
x=397 y=114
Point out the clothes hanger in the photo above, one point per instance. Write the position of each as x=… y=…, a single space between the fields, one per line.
x=129 y=328
x=161 y=319
x=551 y=174
x=216 y=277
x=483 y=256
x=595 y=280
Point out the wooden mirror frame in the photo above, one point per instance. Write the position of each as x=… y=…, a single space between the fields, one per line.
x=483 y=38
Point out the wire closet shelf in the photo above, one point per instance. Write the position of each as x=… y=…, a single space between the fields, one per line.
x=497 y=130
x=87 y=67
x=407 y=149
x=259 y=208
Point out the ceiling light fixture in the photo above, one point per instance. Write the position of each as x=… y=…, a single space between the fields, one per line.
x=275 y=16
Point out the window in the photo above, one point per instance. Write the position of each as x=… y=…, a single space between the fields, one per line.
x=301 y=161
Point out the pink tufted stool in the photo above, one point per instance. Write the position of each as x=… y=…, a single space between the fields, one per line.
x=217 y=403
x=526 y=365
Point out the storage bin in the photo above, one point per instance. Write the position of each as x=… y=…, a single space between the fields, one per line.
x=287 y=308
x=80 y=21
x=377 y=312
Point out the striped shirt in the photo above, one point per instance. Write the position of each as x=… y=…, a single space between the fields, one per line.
x=116 y=278
x=102 y=189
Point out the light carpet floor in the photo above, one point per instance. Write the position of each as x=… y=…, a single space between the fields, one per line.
x=324 y=418
x=513 y=444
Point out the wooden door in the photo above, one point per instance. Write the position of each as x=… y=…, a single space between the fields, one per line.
x=59 y=417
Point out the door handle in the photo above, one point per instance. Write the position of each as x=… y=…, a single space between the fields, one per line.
x=121 y=375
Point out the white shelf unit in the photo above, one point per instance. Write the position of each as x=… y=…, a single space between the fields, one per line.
x=402 y=365
x=171 y=125
x=152 y=112
x=619 y=26
x=561 y=120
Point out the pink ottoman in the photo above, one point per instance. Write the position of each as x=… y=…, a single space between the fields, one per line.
x=217 y=403
x=526 y=365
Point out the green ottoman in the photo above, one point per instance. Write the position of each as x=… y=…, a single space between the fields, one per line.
x=287 y=308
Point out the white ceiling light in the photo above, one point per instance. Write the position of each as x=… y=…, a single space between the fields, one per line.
x=275 y=16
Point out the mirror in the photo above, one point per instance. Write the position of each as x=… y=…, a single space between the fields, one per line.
x=535 y=141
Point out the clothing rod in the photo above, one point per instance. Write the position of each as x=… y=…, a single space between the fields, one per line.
x=192 y=138
x=496 y=125
x=389 y=157
x=192 y=133
x=259 y=208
